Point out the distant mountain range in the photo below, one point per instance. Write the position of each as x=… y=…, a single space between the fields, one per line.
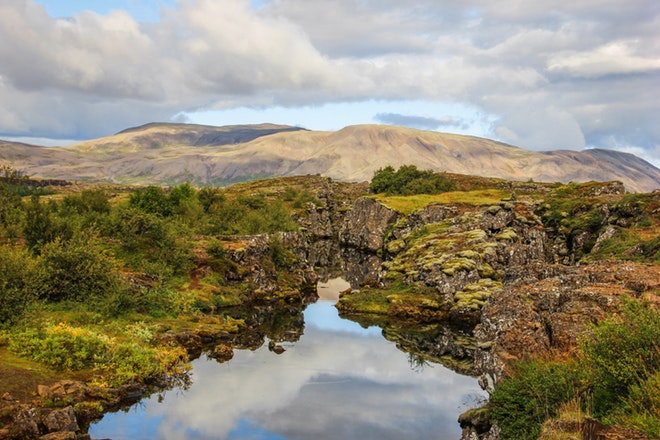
x=164 y=153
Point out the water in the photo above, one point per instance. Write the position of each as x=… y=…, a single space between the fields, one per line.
x=339 y=381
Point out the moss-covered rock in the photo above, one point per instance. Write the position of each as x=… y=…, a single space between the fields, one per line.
x=453 y=265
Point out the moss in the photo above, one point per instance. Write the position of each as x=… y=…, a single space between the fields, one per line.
x=474 y=295
x=396 y=246
x=486 y=271
x=366 y=300
x=468 y=253
x=475 y=235
x=507 y=234
x=453 y=265
x=409 y=204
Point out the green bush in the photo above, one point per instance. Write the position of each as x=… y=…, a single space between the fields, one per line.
x=641 y=408
x=250 y=215
x=78 y=270
x=622 y=353
x=533 y=394
x=151 y=243
x=210 y=198
x=617 y=372
x=61 y=347
x=70 y=348
x=40 y=227
x=16 y=275
x=408 y=180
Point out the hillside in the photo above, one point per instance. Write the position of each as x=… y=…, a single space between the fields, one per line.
x=173 y=153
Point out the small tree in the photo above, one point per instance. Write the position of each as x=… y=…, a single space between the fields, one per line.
x=408 y=180
x=40 y=227
x=78 y=270
x=16 y=274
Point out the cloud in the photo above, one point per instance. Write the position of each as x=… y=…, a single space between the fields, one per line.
x=551 y=73
x=310 y=392
x=421 y=122
x=615 y=58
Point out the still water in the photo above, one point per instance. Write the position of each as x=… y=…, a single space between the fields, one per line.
x=338 y=381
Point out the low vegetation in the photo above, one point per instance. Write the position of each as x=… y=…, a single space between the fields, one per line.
x=91 y=277
x=615 y=378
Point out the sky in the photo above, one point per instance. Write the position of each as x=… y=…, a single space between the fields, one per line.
x=544 y=74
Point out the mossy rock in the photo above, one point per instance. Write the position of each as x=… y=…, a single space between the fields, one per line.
x=508 y=206
x=469 y=253
x=475 y=235
x=440 y=261
x=474 y=295
x=396 y=246
x=451 y=266
x=507 y=234
x=486 y=271
x=364 y=301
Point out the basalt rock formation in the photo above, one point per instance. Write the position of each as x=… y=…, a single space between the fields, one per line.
x=528 y=276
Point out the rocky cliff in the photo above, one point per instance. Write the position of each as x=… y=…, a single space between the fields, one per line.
x=528 y=275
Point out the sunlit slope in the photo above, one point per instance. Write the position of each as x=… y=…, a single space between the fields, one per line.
x=171 y=153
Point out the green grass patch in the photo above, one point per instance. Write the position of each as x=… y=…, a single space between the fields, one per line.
x=366 y=300
x=408 y=204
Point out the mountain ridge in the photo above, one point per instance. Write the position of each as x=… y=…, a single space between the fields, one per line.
x=169 y=153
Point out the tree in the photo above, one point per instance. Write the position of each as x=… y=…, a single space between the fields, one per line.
x=408 y=180
x=382 y=179
x=40 y=227
x=152 y=200
x=78 y=270
x=16 y=274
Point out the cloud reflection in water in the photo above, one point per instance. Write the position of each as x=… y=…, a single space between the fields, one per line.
x=339 y=381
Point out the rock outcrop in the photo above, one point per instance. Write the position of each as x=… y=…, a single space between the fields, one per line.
x=550 y=308
x=366 y=224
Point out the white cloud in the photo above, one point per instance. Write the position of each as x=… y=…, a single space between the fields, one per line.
x=540 y=68
x=615 y=58
x=309 y=392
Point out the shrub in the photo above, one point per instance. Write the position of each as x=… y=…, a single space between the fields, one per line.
x=617 y=372
x=622 y=353
x=77 y=270
x=61 y=347
x=65 y=347
x=533 y=394
x=210 y=198
x=89 y=201
x=152 y=200
x=40 y=227
x=408 y=180
x=16 y=273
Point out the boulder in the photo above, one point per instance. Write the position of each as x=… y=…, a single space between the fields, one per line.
x=365 y=225
x=63 y=419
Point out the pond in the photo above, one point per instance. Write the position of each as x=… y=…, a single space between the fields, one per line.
x=337 y=381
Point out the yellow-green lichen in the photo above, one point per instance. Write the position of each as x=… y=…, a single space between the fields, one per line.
x=451 y=266
x=474 y=295
x=468 y=253
x=475 y=235
x=396 y=246
x=507 y=234
x=486 y=271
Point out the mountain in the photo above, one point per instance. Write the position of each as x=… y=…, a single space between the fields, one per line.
x=161 y=153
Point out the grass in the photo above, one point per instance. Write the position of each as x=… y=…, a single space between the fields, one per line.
x=20 y=376
x=408 y=204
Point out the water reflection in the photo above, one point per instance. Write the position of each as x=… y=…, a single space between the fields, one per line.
x=338 y=381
